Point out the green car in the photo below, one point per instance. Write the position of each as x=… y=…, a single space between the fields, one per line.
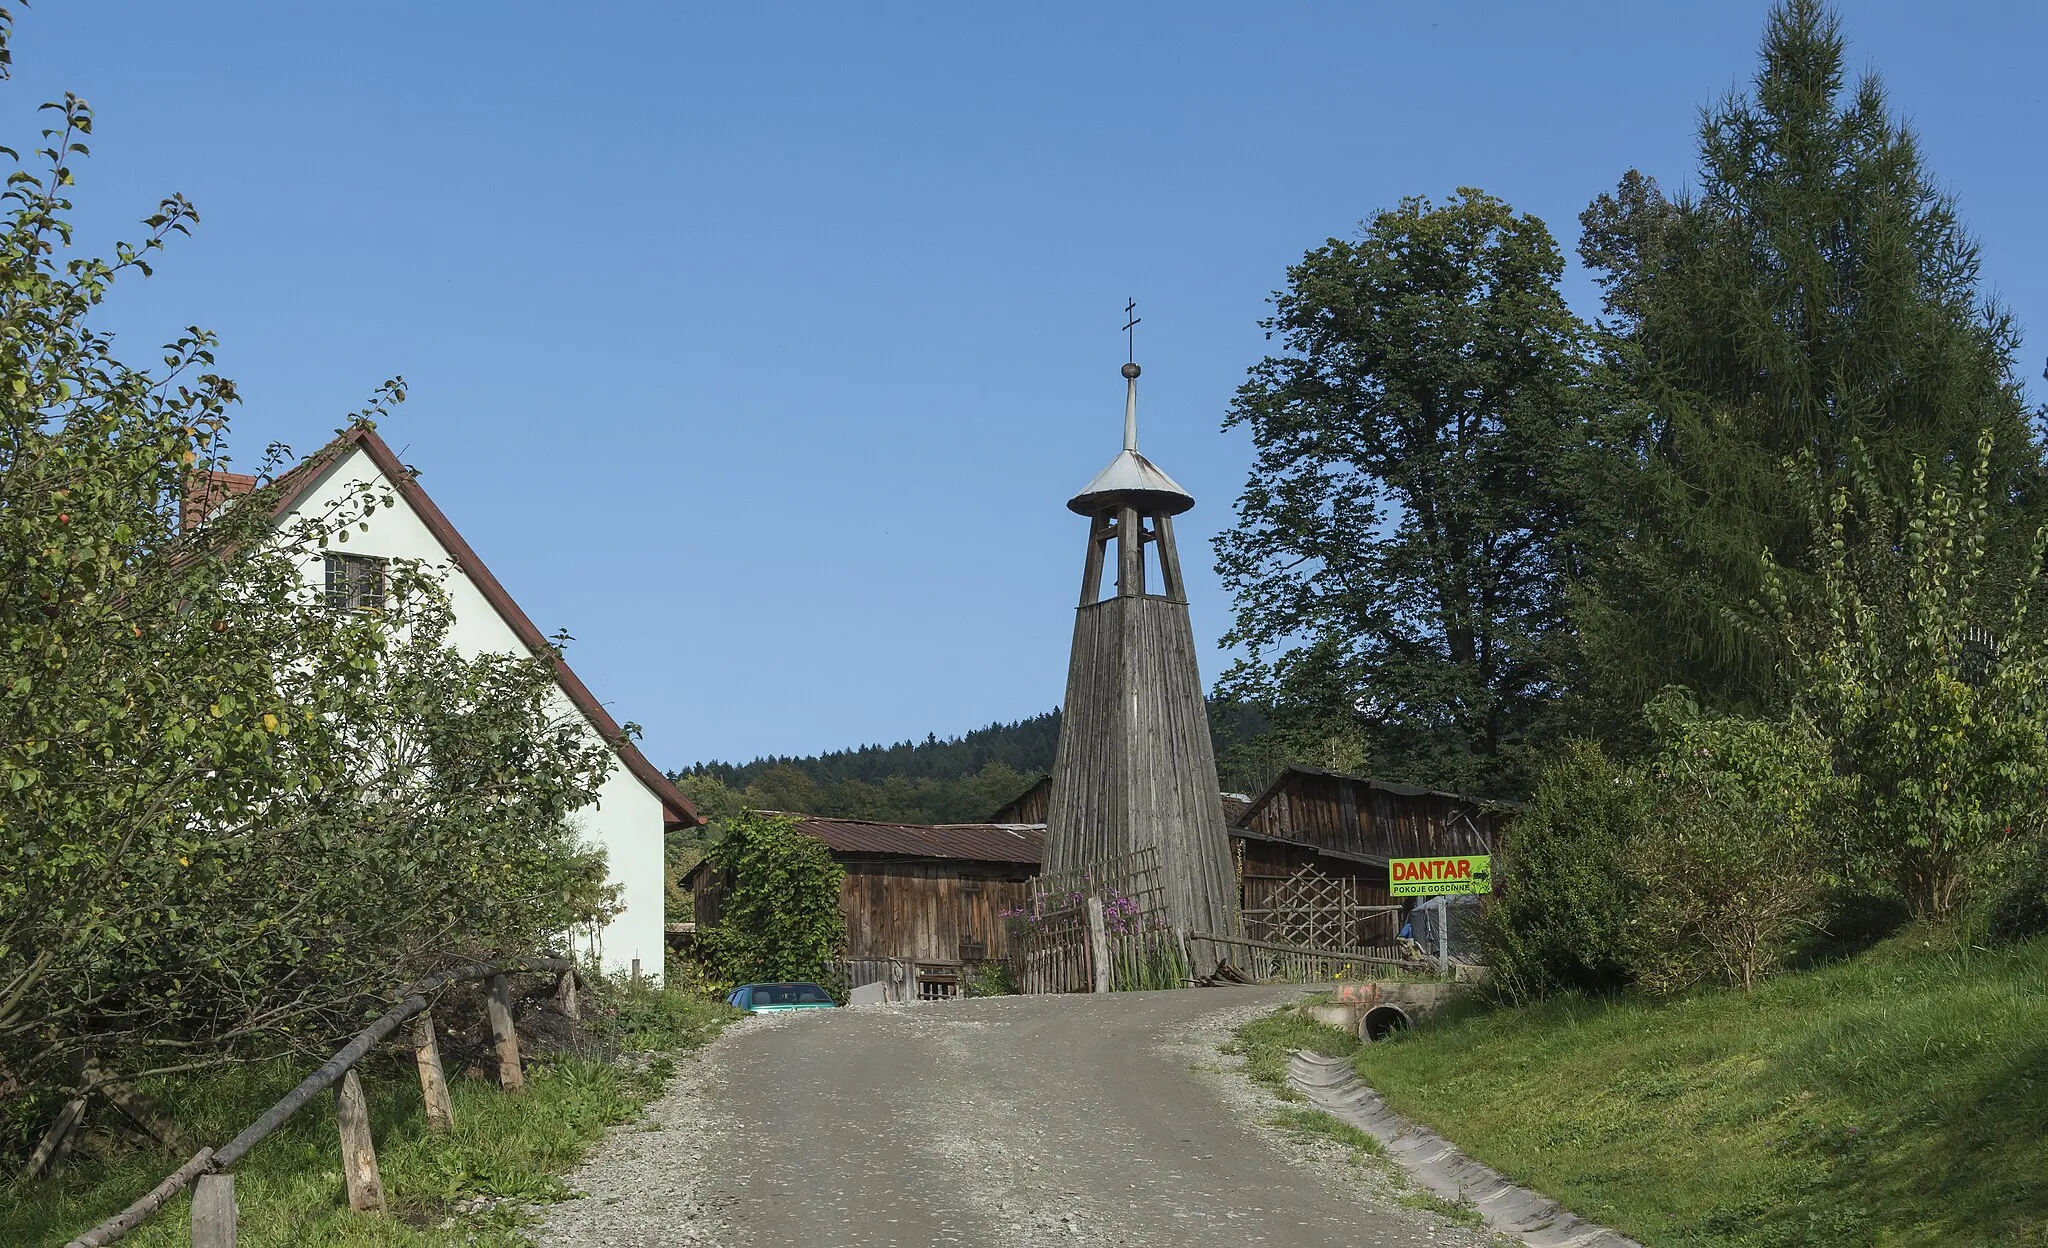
x=775 y=998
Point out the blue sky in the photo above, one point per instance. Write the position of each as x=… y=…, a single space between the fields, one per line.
x=761 y=345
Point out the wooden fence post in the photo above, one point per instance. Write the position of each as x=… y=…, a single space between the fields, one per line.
x=358 y=1155
x=565 y=996
x=54 y=1144
x=213 y=1212
x=1098 y=943
x=498 y=1005
x=433 y=1080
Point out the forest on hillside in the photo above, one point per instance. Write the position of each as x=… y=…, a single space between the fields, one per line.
x=960 y=779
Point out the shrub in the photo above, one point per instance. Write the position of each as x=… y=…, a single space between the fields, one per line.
x=781 y=918
x=1926 y=675
x=2017 y=907
x=991 y=979
x=1706 y=865
x=1728 y=874
x=1559 y=917
x=233 y=821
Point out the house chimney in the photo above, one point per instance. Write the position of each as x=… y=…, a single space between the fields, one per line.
x=206 y=492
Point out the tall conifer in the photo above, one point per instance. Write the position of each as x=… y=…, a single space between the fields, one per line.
x=1815 y=290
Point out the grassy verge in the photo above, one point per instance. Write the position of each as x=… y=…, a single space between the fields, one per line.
x=1896 y=1099
x=290 y=1189
x=1265 y=1043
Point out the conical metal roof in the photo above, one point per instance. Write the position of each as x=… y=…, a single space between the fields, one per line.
x=1131 y=480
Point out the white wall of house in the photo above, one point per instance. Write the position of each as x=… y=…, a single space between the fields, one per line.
x=626 y=821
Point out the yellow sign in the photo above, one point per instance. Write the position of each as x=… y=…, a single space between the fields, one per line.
x=1429 y=877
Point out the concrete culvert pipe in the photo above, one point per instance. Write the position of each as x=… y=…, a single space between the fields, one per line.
x=1382 y=1021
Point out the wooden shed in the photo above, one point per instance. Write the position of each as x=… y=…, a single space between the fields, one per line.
x=1028 y=806
x=923 y=902
x=1349 y=827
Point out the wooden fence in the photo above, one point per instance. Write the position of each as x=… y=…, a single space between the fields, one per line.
x=1268 y=961
x=1311 y=910
x=213 y=1202
x=1053 y=952
x=1097 y=928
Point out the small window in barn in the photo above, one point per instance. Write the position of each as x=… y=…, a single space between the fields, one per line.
x=973 y=951
x=355 y=583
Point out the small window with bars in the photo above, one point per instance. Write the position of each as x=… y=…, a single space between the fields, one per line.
x=938 y=983
x=355 y=583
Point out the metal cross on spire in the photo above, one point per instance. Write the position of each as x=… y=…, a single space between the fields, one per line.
x=1130 y=335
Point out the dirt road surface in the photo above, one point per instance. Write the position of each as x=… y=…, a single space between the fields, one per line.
x=1008 y=1120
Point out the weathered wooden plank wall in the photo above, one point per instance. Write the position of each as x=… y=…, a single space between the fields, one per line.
x=1352 y=816
x=928 y=911
x=1136 y=767
x=1026 y=807
x=1263 y=866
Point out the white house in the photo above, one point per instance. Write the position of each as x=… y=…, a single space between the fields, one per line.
x=637 y=803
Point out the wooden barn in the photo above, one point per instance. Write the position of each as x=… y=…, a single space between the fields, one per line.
x=1347 y=828
x=923 y=903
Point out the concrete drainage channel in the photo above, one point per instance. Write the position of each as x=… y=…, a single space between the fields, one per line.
x=1434 y=1162
x=1375 y=1009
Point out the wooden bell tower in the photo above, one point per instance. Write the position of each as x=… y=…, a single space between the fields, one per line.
x=1136 y=768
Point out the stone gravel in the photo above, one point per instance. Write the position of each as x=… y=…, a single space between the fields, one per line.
x=1026 y=1121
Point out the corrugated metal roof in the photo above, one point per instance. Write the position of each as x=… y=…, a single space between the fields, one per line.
x=1390 y=786
x=978 y=842
x=1234 y=806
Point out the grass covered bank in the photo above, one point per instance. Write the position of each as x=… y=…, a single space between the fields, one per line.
x=1900 y=1098
x=509 y=1146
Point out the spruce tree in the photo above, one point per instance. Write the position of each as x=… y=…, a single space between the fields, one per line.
x=1817 y=290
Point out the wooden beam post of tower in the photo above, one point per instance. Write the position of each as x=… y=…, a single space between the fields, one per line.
x=1130 y=554
x=1100 y=532
x=1169 y=556
x=433 y=1080
x=358 y=1155
x=498 y=1006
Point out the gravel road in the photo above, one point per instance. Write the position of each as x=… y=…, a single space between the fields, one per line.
x=1006 y=1120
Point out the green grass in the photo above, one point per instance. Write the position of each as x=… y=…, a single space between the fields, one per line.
x=1900 y=1098
x=1265 y=1043
x=290 y=1187
x=1317 y=1125
x=1456 y=1212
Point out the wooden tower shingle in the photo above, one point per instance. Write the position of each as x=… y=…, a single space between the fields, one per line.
x=1136 y=768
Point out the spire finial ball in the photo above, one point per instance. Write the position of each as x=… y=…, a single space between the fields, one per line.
x=1131 y=372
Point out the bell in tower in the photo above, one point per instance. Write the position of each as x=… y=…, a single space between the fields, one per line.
x=1136 y=769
